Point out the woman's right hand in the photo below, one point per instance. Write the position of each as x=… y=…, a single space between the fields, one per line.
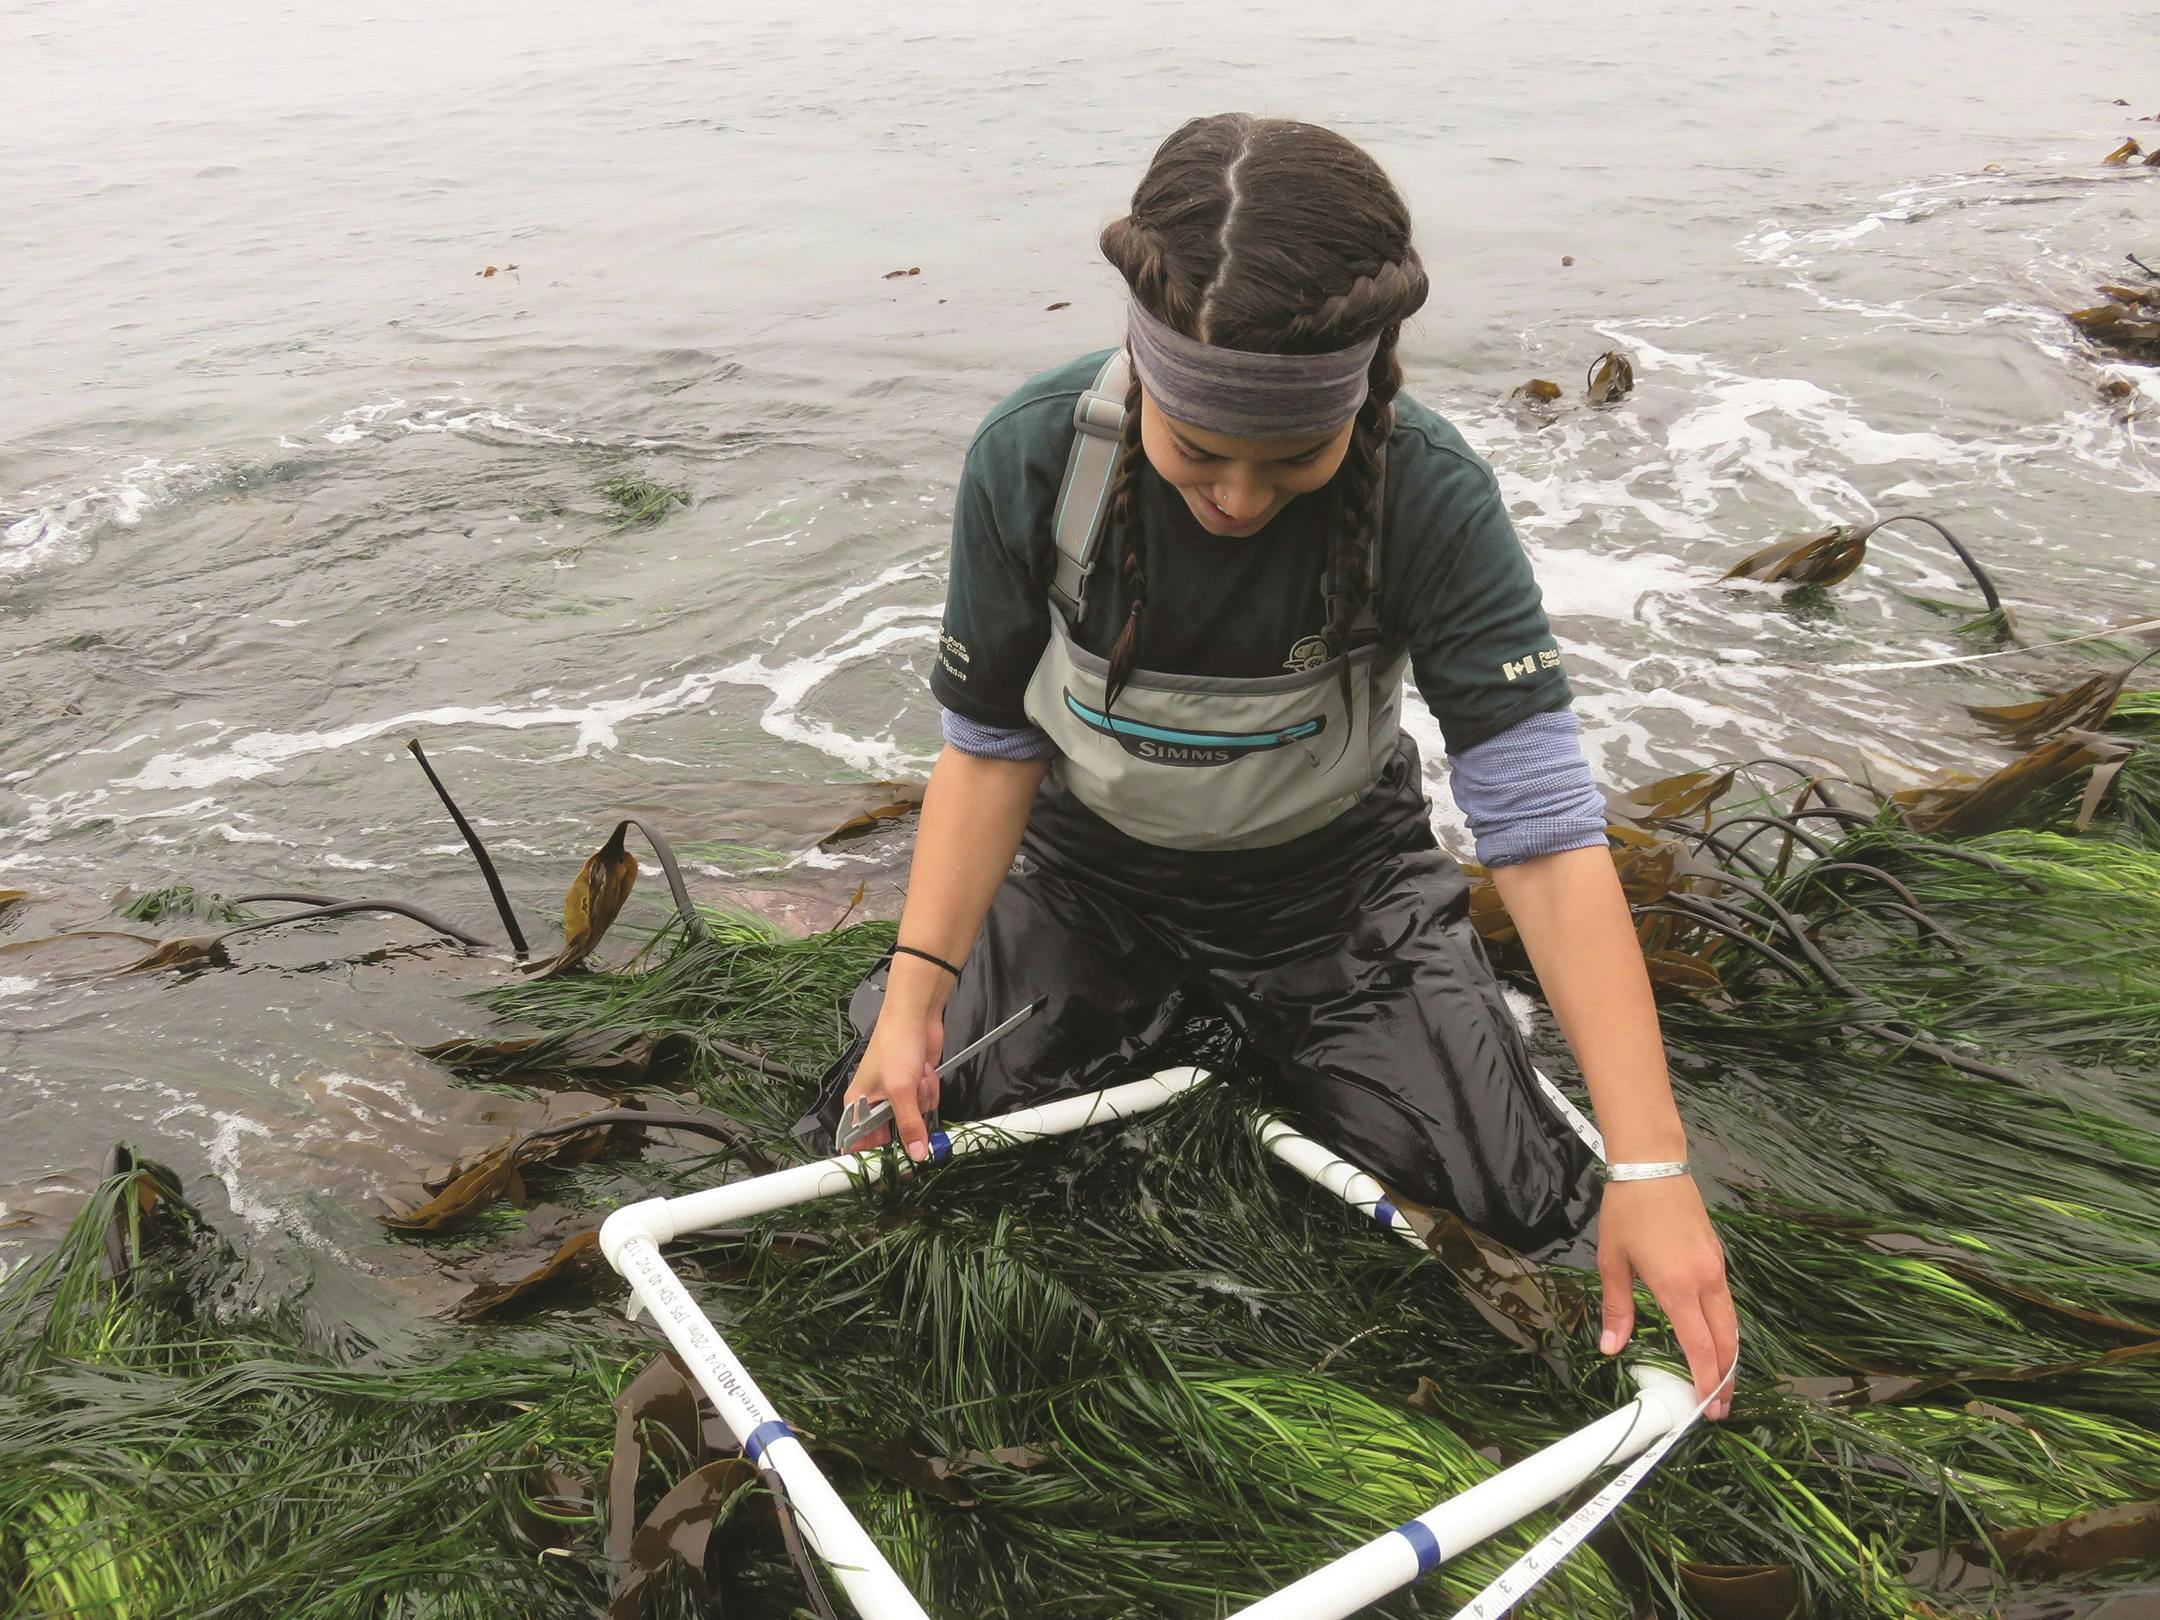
x=900 y=1064
x=972 y=815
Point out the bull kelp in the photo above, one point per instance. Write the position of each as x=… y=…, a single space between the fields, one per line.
x=1144 y=1370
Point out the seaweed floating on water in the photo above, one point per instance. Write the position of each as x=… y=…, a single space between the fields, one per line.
x=641 y=502
x=1827 y=558
x=2126 y=322
x=1611 y=378
x=183 y=900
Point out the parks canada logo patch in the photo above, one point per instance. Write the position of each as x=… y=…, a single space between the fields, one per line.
x=953 y=655
x=1309 y=653
x=1530 y=663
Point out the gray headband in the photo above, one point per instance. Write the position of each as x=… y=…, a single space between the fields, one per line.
x=1247 y=395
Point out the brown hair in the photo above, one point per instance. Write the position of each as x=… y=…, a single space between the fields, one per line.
x=1278 y=238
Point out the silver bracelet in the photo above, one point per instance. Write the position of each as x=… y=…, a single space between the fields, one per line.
x=1653 y=1170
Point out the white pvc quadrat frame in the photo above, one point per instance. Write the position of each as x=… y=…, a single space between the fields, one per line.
x=632 y=1236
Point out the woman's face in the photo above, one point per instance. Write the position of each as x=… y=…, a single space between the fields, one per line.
x=1236 y=486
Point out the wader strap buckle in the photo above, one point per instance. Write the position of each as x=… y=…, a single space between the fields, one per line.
x=1083 y=506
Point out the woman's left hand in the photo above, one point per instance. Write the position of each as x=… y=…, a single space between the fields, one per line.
x=1660 y=1231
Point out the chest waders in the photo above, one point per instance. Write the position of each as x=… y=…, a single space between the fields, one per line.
x=1201 y=762
x=1241 y=873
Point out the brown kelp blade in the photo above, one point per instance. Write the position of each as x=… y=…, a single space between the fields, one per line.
x=904 y=801
x=1529 y=1306
x=2096 y=789
x=1488 y=912
x=677 y=1531
x=661 y=1397
x=2129 y=1533
x=1670 y=799
x=662 y=1403
x=1682 y=970
x=2086 y=706
x=2130 y=328
x=1649 y=868
x=575 y=1259
x=1826 y=558
x=208 y=950
x=1612 y=378
x=1741 y=1591
x=200 y=951
x=1960 y=807
x=603 y=883
x=11 y=897
x=1536 y=398
x=1813 y=559
x=173 y=953
x=617 y=1057
x=472 y=1187
x=2123 y=153
x=120 y=959
x=595 y=897
x=2146 y=297
x=1875 y=1386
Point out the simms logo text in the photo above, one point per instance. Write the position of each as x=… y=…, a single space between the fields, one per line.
x=1168 y=753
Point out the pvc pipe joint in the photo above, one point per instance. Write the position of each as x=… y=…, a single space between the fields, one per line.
x=648 y=1218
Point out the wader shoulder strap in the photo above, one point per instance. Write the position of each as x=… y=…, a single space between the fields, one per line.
x=1083 y=504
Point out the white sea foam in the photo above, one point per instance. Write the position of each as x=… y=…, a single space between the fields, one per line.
x=1580 y=583
x=898 y=573
x=376 y=420
x=596 y=723
x=259 y=753
x=366 y=1097
x=49 y=524
x=57 y=527
x=1773 y=242
x=1790 y=433
x=227 y=1146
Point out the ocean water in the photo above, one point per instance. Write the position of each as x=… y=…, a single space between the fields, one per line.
x=286 y=477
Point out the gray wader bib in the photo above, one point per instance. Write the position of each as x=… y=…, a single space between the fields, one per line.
x=1209 y=875
x=1194 y=761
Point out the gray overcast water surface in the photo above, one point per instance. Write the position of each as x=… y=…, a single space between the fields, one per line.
x=284 y=480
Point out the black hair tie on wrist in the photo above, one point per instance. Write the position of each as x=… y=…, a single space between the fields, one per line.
x=936 y=961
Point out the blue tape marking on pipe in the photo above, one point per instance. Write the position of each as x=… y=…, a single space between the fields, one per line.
x=1425 y=1543
x=940 y=1147
x=764 y=1435
x=1384 y=1213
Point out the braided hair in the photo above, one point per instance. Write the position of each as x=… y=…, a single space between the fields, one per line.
x=1274 y=237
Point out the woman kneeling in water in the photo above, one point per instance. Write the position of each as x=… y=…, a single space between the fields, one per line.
x=1187 y=578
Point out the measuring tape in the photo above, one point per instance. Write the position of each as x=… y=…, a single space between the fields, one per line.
x=1516 y=1581
x=2007 y=652
x=1589 y=1134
